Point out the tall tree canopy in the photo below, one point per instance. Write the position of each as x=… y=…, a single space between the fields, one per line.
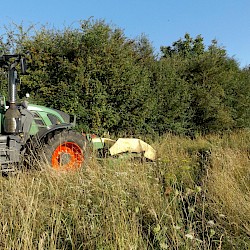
x=118 y=85
x=211 y=79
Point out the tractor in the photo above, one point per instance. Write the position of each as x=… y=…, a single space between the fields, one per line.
x=27 y=129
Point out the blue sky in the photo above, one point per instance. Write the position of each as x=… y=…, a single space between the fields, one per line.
x=162 y=21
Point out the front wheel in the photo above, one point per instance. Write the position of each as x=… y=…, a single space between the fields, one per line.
x=65 y=151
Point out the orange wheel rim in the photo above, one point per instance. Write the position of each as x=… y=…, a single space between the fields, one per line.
x=67 y=156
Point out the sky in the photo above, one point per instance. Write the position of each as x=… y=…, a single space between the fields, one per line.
x=162 y=21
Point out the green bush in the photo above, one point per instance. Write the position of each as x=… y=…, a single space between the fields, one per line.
x=119 y=85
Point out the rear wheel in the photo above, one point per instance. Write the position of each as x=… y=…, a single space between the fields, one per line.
x=65 y=151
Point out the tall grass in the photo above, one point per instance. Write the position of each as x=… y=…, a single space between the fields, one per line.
x=196 y=196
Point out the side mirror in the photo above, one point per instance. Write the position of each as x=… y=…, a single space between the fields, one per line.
x=23 y=65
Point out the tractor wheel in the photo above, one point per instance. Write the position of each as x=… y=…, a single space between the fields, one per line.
x=65 y=151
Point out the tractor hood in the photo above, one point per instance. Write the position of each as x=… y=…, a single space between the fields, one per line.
x=52 y=114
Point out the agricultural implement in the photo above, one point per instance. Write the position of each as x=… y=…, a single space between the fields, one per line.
x=131 y=147
x=27 y=129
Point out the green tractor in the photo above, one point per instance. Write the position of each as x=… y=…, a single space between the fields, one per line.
x=27 y=129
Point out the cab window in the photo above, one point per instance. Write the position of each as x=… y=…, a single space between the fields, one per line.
x=53 y=119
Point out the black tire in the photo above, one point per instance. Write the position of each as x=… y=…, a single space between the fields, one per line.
x=65 y=151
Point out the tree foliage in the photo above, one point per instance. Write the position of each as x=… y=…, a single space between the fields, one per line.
x=211 y=78
x=118 y=85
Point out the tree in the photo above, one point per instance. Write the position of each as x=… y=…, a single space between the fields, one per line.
x=206 y=72
x=117 y=85
x=100 y=72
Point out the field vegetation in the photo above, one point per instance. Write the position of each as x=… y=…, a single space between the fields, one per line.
x=195 y=196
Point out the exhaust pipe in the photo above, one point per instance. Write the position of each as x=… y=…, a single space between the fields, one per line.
x=12 y=120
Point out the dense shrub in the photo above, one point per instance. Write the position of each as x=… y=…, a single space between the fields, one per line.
x=118 y=85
